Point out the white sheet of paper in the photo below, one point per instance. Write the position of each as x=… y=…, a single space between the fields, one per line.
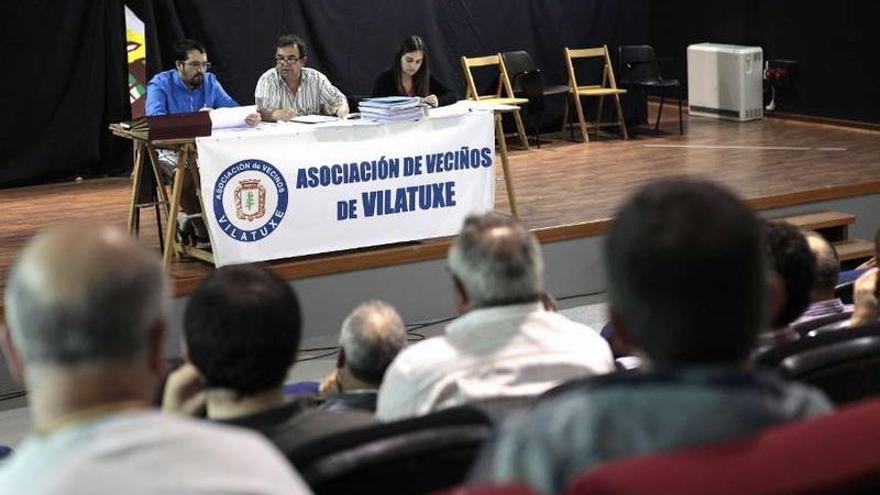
x=314 y=119
x=226 y=118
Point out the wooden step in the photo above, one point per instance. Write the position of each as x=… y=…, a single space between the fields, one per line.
x=854 y=249
x=832 y=225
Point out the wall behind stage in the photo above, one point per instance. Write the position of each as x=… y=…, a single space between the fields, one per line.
x=835 y=44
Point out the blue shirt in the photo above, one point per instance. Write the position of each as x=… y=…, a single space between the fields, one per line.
x=167 y=94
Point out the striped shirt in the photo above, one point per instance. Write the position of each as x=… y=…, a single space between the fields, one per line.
x=315 y=95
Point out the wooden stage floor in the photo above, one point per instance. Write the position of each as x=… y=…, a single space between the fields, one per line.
x=565 y=189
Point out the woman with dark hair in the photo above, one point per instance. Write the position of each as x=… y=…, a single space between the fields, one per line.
x=410 y=75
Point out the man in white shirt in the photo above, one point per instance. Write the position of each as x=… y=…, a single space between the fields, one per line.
x=86 y=309
x=291 y=89
x=505 y=344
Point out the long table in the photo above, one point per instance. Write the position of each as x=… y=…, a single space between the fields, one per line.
x=287 y=189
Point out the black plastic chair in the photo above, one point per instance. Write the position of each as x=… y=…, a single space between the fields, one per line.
x=638 y=70
x=823 y=324
x=844 y=363
x=528 y=82
x=412 y=456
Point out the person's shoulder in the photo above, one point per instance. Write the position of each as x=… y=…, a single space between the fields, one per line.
x=310 y=73
x=422 y=360
x=422 y=354
x=265 y=76
x=385 y=76
x=565 y=326
x=163 y=77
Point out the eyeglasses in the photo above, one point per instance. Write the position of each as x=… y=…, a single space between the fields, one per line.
x=288 y=60
x=199 y=65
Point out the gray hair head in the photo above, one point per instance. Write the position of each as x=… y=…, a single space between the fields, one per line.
x=827 y=262
x=81 y=294
x=372 y=336
x=497 y=261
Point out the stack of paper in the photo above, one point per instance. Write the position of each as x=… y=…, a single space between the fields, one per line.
x=392 y=108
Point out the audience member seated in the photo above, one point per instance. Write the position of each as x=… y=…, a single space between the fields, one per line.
x=689 y=290
x=794 y=274
x=830 y=455
x=505 y=343
x=242 y=332
x=290 y=88
x=823 y=303
x=371 y=337
x=410 y=75
x=87 y=314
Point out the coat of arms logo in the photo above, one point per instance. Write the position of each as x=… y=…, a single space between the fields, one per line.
x=250 y=200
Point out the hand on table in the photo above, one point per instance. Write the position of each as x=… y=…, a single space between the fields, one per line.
x=253 y=119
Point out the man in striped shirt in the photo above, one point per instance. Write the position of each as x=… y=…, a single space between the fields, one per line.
x=291 y=89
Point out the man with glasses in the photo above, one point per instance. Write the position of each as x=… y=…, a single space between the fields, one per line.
x=189 y=87
x=291 y=89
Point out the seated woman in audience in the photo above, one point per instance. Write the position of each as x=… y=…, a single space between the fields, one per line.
x=410 y=75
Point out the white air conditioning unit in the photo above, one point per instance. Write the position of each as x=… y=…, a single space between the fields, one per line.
x=726 y=81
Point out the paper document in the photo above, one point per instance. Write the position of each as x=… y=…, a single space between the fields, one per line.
x=226 y=118
x=313 y=119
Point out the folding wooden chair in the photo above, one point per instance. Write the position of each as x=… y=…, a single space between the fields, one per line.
x=608 y=87
x=504 y=87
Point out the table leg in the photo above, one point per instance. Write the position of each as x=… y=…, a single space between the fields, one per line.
x=171 y=227
x=137 y=170
x=508 y=179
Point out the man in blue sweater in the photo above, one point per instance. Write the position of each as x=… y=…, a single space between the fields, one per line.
x=189 y=87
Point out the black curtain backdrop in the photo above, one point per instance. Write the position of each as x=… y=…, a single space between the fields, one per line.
x=65 y=78
x=835 y=45
x=70 y=79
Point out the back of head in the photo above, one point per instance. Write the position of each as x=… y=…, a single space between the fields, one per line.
x=686 y=272
x=83 y=295
x=372 y=336
x=242 y=329
x=794 y=262
x=497 y=261
x=827 y=265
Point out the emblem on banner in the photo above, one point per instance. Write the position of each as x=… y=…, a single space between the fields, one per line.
x=255 y=194
x=250 y=200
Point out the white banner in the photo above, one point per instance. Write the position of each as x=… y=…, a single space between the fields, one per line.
x=295 y=189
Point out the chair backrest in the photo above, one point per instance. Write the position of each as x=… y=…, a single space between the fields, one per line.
x=601 y=53
x=637 y=64
x=805 y=328
x=844 y=363
x=504 y=86
x=830 y=454
x=405 y=457
x=499 y=489
x=517 y=63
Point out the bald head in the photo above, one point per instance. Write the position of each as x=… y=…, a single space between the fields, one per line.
x=497 y=261
x=827 y=267
x=80 y=294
